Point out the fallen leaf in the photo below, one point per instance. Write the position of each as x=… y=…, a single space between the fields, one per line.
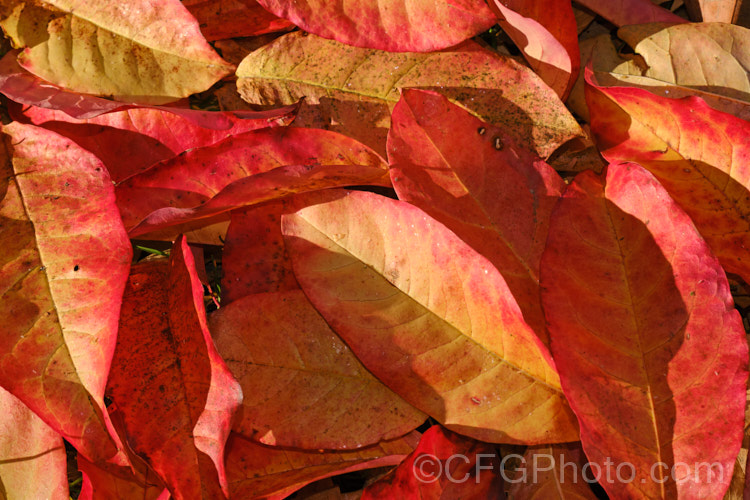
x=547 y=36
x=709 y=11
x=32 y=455
x=651 y=352
x=109 y=483
x=697 y=153
x=353 y=90
x=624 y=12
x=427 y=315
x=222 y=19
x=393 y=25
x=65 y=262
x=143 y=50
x=178 y=421
x=552 y=472
x=304 y=387
x=449 y=163
x=444 y=465
x=259 y=471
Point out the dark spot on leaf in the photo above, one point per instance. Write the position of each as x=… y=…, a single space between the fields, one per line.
x=76 y=268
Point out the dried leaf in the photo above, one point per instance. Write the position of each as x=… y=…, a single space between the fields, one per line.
x=65 y=263
x=427 y=315
x=143 y=50
x=393 y=25
x=353 y=90
x=651 y=352
x=697 y=153
x=708 y=11
x=109 y=483
x=449 y=164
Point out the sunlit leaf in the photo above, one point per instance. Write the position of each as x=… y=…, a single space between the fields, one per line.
x=428 y=316
x=651 y=352
x=64 y=267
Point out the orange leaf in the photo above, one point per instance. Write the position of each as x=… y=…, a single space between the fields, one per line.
x=65 y=264
x=222 y=19
x=700 y=155
x=651 y=352
x=451 y=164
x=552 y=472
x=393 y=25
x=109 y=483
x=427 y=315
x=304 y=387
x=176 y=394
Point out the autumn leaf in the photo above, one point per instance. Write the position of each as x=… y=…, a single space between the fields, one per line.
x=179 y=421
x=222 y=19
x=32 y=455
x=393 y=25
x=444 y=465
x=651 y=352
x=353 y=90
x=259 y=471
x=142 y=50
x=722 y=11
x=427 y=315
x=448 y=163
x=304 y=387
x=242 y=170
x=65 y=263
x=108 y=483
x=625 y=12
x=546 y=34
x=697 y=153
x=552 y=472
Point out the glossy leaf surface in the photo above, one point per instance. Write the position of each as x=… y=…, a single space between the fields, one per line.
x=393 y=25
x=411 y=299
x=651 y=352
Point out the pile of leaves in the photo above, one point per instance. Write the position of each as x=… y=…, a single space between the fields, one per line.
x=458 y=230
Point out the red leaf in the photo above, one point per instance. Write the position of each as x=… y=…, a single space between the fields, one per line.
x=547 y=35
x=243 y=170
x=444 y=465
x=651 y=353
x=109 y=483
x=222 y=19
x=625 y=12
x=410 y=299
x=179 y=420
x=258 y=471
x=32 y=455
x=699 y=155
x=66 y=259
x=393 y=25
x=449 y=163
x=304 y=387
x=255 y=258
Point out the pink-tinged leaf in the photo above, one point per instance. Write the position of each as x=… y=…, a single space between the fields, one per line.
x=392 y=25
x=353 y=90
x=699 y=155
x=246 y=169
x=255 y=259
x=21 y=86
x=32 y=455
x=119 y=483
x=142 y=50
x=546 y=33
x=625 y=12
x=651 y=352
x=176 y=394
x=222 y=19
x=444 y=465
x=259 y=471
x=304 y=388
x=64 y=267
x=714 y=11
x=451 y=164
x=554 y=472
x=427 y=315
